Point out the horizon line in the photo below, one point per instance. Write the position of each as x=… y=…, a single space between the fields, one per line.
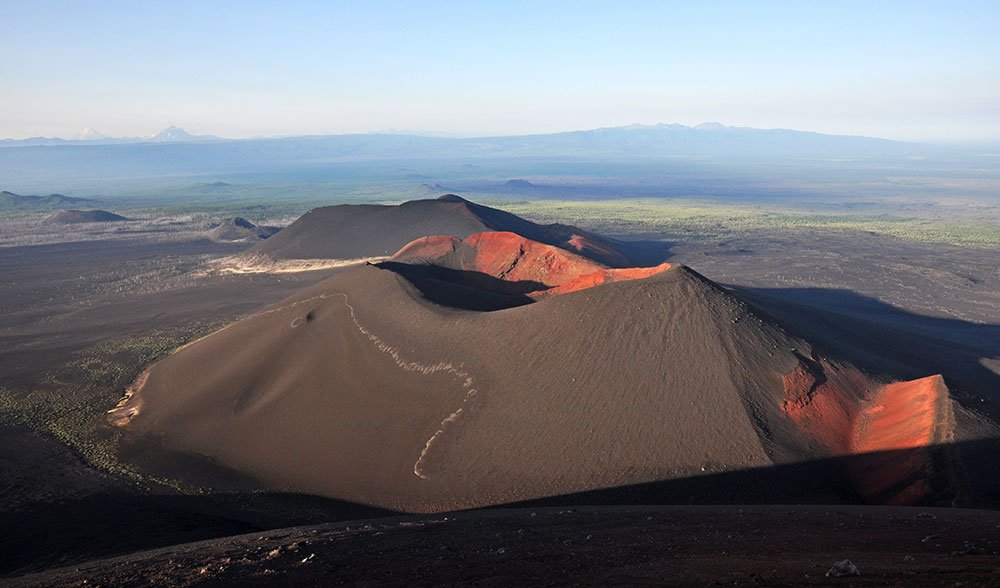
x=707 y=126
x=432 y=134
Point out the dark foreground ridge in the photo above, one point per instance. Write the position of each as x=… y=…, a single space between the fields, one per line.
x=110 y=525
x=606 y=546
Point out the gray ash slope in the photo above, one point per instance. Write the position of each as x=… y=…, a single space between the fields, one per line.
x=361 y=388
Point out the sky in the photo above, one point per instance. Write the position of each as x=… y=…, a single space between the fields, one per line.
x=927 y=71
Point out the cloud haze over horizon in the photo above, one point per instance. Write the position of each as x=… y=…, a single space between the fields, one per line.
x=902 y=70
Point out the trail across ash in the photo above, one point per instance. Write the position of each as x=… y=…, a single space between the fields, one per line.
x=467 y=383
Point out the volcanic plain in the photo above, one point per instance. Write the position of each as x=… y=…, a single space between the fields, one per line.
x=466 y=358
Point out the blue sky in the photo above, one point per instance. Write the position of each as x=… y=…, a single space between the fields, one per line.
x=908 y=70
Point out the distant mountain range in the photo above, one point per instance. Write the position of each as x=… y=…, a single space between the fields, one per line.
x=709 y=138
x=89 y=136
x=634 y=136
x=174 y=152
x=12 y=201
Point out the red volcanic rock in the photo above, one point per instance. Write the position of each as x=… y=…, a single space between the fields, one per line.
x=511 y=257
x=605 y=276
x=578 y=242
x=906 y=418
x=892 y=427
x=822 y=399
x=901 y=415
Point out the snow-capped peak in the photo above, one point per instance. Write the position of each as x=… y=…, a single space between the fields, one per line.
x=89 y=134
x=175 y=134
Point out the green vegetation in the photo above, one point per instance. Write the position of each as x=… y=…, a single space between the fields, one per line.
x=699 y=219
x=71 y=402
x=678 y=218
x=71 y=422
x=929 y=207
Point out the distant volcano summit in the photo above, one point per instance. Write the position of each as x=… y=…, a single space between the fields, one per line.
x=89 y=134
x=174 y=134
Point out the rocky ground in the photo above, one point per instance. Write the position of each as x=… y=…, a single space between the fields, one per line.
x=608 y=546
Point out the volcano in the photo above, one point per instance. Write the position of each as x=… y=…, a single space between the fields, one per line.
x=73 y=217
x=240 y=229
x=351 y=231
x=494 y=368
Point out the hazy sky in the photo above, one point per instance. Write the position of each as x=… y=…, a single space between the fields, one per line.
x=909 y=70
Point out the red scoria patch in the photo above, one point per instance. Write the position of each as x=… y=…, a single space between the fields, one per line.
x=821 y=398
x=888 y=429
x=604 y=276
x=509 y=256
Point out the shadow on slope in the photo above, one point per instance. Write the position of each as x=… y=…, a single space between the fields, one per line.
x=885 y=339
x=125 y=517
x=647 y=253
x=48 y=535
x=52 y=535
x=965 y=475
x=464 y=289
